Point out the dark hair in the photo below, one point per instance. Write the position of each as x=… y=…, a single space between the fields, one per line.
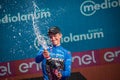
x=54 y=30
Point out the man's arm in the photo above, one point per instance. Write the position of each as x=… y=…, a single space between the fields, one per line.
x=39 y=56
x=67 y=65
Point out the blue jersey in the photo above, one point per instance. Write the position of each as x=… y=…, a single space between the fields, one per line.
x=60 y=57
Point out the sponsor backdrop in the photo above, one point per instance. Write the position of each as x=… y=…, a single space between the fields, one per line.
x=90 y=31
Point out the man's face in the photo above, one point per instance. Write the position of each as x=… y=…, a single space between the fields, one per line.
x=55 y=38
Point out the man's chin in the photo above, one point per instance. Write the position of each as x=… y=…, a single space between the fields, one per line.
x=54 y=44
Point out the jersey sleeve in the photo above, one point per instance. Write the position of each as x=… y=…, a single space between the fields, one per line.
x=39 y=56
x=67 y=65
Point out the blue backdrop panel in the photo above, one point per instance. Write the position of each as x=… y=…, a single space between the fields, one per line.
x=85 y=24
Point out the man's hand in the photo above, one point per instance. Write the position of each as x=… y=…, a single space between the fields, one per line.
x=58 y=74
x=46 y=54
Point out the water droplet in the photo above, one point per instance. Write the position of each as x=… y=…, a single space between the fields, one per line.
x=19 y=34
x=0 y=7
x=14 y=37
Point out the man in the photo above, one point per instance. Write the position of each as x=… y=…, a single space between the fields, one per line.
x=56 y=61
